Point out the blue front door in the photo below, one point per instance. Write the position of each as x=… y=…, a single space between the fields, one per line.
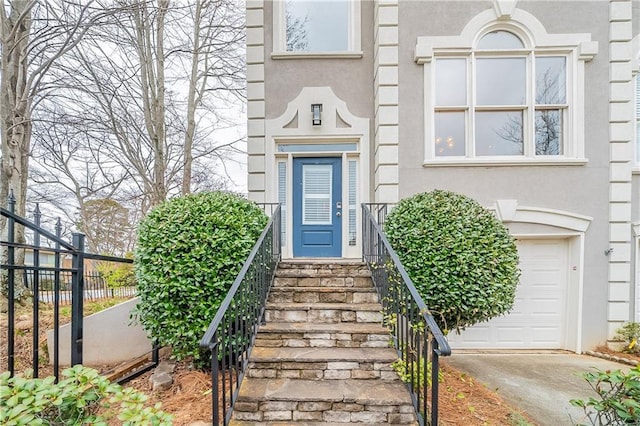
x=317 y=207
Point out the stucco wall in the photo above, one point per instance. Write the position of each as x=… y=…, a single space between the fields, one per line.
x=108 y=337
x=578 y=189
x=350 y=79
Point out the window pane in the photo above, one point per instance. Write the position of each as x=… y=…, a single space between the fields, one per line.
x=499 y=133
x=500 y=40
x=316 y=194
x=450 y=129
x=501 y=81
x=317 y=26
x=549 y=132
x=551 y=87
x=451 y=82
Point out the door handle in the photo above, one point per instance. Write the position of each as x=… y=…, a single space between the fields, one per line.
x=338 y=213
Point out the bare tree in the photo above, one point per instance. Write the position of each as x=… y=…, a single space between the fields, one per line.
x=148 y=90
x=106 y=224
x=296 y=30
x=34 y=35
x=214 y=52
x=548 y=118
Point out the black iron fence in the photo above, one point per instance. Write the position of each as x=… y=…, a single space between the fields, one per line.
x=416 y=336
x=96 y=286
x=231 y=334
x=63 y=281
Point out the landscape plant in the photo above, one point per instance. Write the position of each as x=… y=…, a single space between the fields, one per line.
x=460 y=257
x=117 y=275
x=629 y=333
x=618 y=397
x=190 y=250
x=82 y=397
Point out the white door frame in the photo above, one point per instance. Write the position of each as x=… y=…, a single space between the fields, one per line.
x=340 y=134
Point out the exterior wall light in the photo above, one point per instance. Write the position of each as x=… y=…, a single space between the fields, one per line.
x=316 y=109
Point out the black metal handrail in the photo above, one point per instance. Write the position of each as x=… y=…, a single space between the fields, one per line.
x=231 y=335
x=415 y=333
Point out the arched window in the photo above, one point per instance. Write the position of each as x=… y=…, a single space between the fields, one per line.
x=514 y=104
x=504 y=92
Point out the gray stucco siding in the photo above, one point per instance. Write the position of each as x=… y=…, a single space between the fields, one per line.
x=580 y=189
x=350 y=79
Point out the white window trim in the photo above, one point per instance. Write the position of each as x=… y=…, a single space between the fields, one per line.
x=578 y=49
x=636 y=117
x=635 y=46
x=636 y=239
x=280 y=39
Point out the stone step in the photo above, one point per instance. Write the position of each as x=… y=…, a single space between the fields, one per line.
x=322 y=281
x=310 y=334
x=305 y=423
x=323 y=363
x=322 y=269
x=302 y=423
x=333 y=401
x=324 y=312
x=323 y=295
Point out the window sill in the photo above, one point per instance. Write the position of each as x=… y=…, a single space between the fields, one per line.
x=317 y=55
x=498 y=162
x=636 y=169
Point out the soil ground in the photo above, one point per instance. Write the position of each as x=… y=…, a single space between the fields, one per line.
x=463 y=401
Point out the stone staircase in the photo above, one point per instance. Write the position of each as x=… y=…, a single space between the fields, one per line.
x=323 y=356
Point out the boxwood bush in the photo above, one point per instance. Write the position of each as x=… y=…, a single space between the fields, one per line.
x=189 y=252
x=461 y=259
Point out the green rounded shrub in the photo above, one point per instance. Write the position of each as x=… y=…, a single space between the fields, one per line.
x=189 y=252
x=461 y=259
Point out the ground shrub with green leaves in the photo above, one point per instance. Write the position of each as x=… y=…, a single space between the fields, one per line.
x=82 y=397
x=459 y=256
x=118 y=274
x=618 y=397
x=629 y=333
x=189 y=252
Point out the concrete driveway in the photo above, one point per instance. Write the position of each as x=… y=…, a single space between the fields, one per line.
x=541 y=384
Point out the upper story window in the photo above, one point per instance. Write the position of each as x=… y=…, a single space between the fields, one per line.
x=316 y=28
x=494 y=95
x=502 y=100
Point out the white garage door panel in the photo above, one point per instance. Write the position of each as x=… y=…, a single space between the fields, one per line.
x=538 y=318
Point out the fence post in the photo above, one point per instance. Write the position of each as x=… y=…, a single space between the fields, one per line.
x=37 y=216
x=56 y=304
x=11 y=303
x=77 y=296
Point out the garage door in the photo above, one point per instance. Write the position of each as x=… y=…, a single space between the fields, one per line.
x=538 y=319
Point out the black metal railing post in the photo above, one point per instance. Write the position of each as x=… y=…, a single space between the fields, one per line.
x=37 y=216
x=435 y=369
x=56 y=303
x=77 y=298
x=11 y=291
x=215 y=394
